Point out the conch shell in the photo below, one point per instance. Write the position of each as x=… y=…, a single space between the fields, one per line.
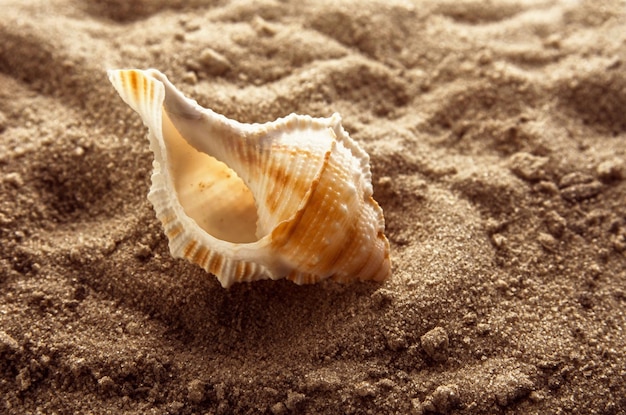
x=286 y=199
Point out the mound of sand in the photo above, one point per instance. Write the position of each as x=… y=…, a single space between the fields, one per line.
x=497 y=133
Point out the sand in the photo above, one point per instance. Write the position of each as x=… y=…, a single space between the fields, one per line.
x=497 y=135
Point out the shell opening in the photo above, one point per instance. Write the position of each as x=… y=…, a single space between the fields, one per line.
x=210 y=192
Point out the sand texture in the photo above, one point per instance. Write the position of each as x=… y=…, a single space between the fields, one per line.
x=497 y=136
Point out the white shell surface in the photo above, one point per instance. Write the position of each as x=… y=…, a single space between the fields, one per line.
x=287 y=199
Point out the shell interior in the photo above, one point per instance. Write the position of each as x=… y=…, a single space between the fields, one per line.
x=210 y=192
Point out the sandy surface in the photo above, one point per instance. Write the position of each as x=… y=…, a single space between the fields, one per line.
x=497 y=132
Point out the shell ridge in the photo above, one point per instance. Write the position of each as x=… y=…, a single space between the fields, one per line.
x=339 y=257
x=292 y=222
x=354 y=147
x=285 y=168
x=283 y=232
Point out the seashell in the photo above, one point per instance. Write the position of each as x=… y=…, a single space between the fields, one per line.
x=286 y=199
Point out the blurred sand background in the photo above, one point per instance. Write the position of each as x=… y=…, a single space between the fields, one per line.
x=497 y=136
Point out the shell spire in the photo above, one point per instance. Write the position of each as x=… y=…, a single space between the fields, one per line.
x=286 y=199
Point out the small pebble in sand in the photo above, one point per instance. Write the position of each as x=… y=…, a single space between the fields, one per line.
x=555 y=223
x=106 y=384
x=190 y=77
x=8 y=343
x=435 y=344
x=577 y=186
x=262 y=27
x=527 y=166
x=364 y=389
x=547 y=241
x=196 y=391
x=498 y=240
x=14 y=179
x=279 y=409
x=509 y=387
x=385 y=182
x=293 y=399
x=443 y=400
x=611 y=170
x=537 y=396
x=547 y=187
x=214 y=63
x=142 y=251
